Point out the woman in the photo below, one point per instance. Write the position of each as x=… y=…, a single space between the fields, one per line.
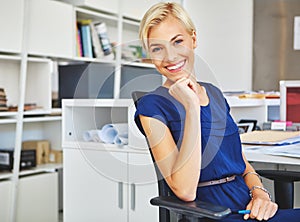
x=193 y=138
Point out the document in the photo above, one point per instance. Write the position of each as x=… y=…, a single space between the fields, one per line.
x=288 y=150
x=272 y=138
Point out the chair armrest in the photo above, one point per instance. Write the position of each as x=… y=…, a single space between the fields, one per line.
x=280 y=175
x=195 y=208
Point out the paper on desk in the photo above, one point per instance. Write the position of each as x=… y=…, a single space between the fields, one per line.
x=288 y=150
x=292 y=150
x=269 y=137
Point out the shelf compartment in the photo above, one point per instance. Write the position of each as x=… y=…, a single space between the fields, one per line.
x=87 y=80
x=44 y=128
x=111 y=22
x=7 y=135
x=39 y=80
x=80 y=116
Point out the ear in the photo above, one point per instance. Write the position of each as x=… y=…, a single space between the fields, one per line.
x=194 y=38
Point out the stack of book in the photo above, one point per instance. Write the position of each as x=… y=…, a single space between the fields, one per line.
x=3 y=100
x=93 y=41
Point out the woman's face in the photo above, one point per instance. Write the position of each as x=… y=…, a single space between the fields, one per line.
x=171 y=49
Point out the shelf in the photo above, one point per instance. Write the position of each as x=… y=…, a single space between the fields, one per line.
x=7 y=121
x=234 y=101
x=88 y=14
x=42 y=119
x=138 y=64
x=37 y=112
x=81 y=145
x=4 y=175
x=98 y=102
x=10 y=57
x=8 y=117
x=94 y=60
x=8 y=114
x=43 y=168
x=38 y=59
x=131 y=22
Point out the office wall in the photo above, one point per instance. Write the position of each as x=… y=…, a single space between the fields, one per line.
x=224 y=32
x=274 y=58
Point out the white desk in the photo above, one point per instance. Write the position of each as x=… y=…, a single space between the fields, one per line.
x=257 y=156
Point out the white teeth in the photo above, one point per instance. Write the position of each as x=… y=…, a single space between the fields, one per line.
x=176 y=66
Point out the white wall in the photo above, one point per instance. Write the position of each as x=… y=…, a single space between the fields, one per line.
x=224 y=32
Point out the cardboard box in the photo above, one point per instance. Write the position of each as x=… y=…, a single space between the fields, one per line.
x=55 y=156
x=42 y=148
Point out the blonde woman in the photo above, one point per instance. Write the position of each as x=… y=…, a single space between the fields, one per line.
x=193 y=138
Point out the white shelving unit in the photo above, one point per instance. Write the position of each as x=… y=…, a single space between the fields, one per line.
x=39 y=35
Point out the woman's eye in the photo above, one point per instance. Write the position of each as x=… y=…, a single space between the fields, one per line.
x=156 y=49
x=178 y=41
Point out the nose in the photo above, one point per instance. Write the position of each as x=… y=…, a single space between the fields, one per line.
x=171 y=53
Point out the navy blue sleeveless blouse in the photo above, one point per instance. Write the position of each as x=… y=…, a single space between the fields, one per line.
x=221 y=146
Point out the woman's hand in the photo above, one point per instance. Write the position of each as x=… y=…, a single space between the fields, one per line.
x=262 y=208
x=186 y=92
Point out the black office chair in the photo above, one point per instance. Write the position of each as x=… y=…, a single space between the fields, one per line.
x=283 y=186
x=168 y=202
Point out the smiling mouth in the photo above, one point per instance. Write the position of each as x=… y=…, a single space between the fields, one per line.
x=176 y=67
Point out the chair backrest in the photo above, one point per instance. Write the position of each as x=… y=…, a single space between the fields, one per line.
x=163 y=188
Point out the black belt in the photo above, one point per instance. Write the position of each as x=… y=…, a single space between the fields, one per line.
x=215 y=182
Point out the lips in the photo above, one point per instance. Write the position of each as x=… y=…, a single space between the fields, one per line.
x=175 y=67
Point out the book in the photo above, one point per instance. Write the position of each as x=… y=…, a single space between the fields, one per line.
x=86 y=38
x=97 y=48
x=79 y=52
x=104 y=40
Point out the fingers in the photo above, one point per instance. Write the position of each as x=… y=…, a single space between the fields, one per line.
x=249 y=206
x=261 y=209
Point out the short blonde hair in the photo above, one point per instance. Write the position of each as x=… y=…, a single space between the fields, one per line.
x=158 y=13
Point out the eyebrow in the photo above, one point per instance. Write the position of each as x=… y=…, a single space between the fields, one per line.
x=172 y=39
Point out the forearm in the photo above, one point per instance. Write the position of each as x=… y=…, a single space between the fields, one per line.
x=186 y=169
x=252 y=179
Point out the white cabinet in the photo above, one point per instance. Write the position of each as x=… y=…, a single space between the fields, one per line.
x=38 y=198
x=107 y=187
x=5 y=202
x=11 y=25
x=142 y=186
x=96 y=177
x=112 y=182
x=51 y=28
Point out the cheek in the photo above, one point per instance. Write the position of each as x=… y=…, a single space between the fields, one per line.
x=157 y=63
x=186 y=51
